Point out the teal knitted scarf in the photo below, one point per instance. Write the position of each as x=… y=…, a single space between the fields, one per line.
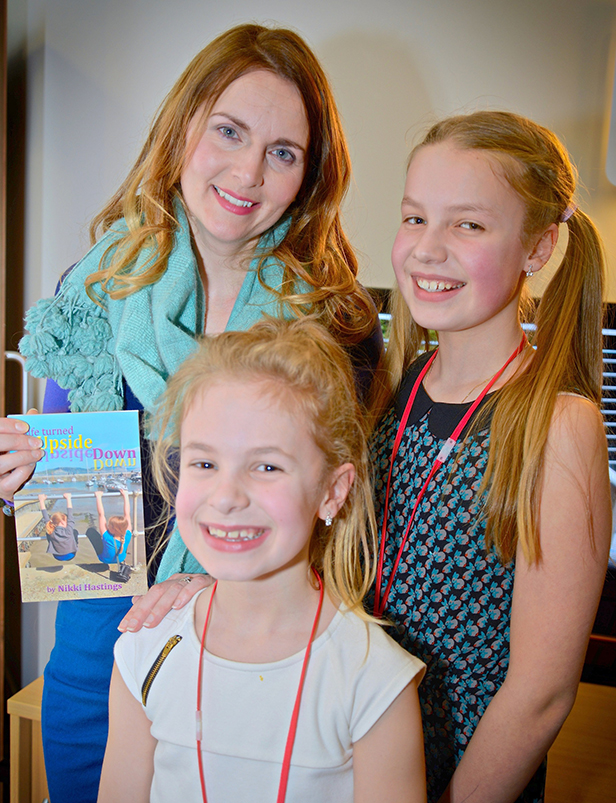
x=143 y=337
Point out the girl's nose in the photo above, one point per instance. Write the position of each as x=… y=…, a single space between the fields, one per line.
x=429 y=247
x=228 y=494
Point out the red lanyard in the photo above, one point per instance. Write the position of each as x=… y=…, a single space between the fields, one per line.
x=286 y=762
x=381 y=602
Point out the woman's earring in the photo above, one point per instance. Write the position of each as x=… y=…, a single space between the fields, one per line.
x=328 y=520
x=529 y=272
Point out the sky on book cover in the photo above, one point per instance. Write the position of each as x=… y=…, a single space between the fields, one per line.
x=90 y=441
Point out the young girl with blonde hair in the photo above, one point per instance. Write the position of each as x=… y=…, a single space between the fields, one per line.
x=492 y=484
x=299 y=695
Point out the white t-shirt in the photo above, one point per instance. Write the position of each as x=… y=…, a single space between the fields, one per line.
x=354 y=673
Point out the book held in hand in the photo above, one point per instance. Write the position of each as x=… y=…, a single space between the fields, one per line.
x=79 y=519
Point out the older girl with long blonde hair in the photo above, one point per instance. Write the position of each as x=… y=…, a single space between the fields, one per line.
x=492 y=484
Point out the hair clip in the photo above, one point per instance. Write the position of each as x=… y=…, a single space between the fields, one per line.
x=570 y=210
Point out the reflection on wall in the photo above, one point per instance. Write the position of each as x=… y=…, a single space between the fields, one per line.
x=99 y=71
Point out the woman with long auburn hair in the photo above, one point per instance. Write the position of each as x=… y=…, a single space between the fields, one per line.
x=490 y=456
x=231 y=212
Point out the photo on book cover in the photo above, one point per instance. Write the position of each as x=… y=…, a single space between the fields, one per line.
x=79 y=519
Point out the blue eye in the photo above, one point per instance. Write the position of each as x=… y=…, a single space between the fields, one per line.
x=267 y=468
x=283 y=154
x=227 y=131
x=415 y=220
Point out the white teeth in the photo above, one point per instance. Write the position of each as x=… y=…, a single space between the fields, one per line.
x=235 y=535
x=432 y=286
x=231 y=199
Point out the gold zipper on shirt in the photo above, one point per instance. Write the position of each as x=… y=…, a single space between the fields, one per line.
x=149 y=678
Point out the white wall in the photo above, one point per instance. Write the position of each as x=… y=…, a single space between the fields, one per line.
x=99 y=68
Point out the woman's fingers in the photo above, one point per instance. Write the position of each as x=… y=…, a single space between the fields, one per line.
x=19 y=453
x=148 y=610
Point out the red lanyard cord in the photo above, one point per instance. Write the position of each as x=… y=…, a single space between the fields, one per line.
x=199 y=717
x=381 y=601
x=286 y=762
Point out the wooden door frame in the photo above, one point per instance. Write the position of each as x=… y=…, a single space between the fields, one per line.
x=4 y=531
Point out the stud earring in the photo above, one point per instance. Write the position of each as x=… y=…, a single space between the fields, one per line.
x=328 y=520
x=529 y=272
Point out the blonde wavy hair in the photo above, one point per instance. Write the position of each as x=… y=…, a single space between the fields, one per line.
x=567 y=355
x=299 y=361
x=315 y=249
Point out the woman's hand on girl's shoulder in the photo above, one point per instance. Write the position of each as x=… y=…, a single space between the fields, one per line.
x=150 y=609
x=19 y=454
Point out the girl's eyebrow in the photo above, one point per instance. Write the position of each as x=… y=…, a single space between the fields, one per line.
x=289 y=143
x=265 y=450
x=202 y=447
x=196 y=446
x=464 y=207
x=471 y=208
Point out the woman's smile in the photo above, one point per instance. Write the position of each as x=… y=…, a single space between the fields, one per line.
x=239 y=206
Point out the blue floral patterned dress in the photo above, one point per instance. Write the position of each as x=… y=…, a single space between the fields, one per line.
x=450 y=601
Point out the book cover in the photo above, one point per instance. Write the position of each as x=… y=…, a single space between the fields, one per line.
x=79 y=519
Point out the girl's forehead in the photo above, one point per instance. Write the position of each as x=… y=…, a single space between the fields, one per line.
x=240 y=417
x=247 y=390
x=449 y=157
x=458 y=175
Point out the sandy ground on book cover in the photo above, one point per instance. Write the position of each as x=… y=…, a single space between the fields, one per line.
x=43 y=578
x=84 y=576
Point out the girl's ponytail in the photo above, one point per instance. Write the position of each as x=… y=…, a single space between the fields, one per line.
x=570 y=313
x=567 y=359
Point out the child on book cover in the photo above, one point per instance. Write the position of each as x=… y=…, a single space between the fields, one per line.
x=111 y=540
x=60 y=529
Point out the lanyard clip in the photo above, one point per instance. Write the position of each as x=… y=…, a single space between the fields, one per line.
x=446 y=450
